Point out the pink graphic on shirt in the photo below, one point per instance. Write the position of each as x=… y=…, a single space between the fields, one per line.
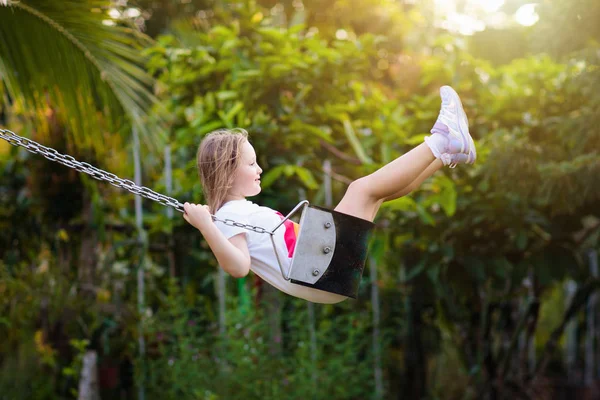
x=291 y=234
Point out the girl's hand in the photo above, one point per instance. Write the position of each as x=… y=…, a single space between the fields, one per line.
x=197 y=215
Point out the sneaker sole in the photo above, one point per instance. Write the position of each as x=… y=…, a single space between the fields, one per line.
x=472 y=150
x=447 y=94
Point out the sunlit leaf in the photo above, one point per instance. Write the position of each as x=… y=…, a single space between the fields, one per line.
x=60 y=55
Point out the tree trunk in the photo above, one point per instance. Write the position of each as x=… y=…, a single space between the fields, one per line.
x=88 y=383
x=86 y=269
x=274 y=305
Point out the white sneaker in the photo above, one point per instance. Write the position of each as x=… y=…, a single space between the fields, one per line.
x=453 y=124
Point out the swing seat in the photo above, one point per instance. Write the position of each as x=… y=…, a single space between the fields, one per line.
x=331 y=250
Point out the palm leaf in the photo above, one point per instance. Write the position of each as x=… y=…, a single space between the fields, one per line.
x=58 y=55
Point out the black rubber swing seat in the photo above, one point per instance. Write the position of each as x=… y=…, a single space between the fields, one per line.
x=331 y=250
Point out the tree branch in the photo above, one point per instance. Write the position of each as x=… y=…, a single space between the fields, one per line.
x=579 y=301
x=581 y=236
x=530 y=310
x=340 y=154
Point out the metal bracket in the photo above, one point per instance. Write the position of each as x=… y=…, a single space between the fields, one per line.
x=315 y=245
x=303 y=203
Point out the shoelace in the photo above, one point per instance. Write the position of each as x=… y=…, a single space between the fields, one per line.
x=447 y=160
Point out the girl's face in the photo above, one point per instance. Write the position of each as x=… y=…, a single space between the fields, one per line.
x=246 y=182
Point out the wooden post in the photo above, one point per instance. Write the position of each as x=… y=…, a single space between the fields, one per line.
x=570 y=333
x=590 y=354
x=170 y=210
x=377 y=371
x=222 y=295
x=140 y=271
x=221 y=287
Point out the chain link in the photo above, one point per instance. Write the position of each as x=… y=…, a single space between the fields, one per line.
x=114 y=180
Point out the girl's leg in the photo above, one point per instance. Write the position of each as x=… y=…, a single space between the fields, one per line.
x=450 y=141
x=430 y=170
x=365 y=195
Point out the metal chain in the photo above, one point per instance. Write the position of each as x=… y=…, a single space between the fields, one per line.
x=114 y=180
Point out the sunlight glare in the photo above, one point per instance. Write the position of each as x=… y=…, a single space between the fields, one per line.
x=341 y=34
x=526 y=15
x=472 y=17
x=114 y=13
x=463 y=24
x=491 y=6
x=132 y=13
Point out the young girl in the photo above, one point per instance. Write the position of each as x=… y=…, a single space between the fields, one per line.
x=229 y=173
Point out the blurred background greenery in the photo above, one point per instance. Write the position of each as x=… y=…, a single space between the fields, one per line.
x=481 y=285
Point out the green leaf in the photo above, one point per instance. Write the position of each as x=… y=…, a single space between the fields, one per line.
x=250 y=73
x=305 y=90
x=307 y=178
x=416 y=139
x=298 y=126
x=227 y=95
x=289 y=170
x=211 y=126
x=401 y=204
x=424 y=215
x=522 y=240
x=272 y=175
x=434 y=273
x=377 y=247
x=415 y=271
x=354 y=142
x=447 y=196
x=5 y=322
x=234 y=110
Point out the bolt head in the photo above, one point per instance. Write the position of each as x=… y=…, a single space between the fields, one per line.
x=316 y=272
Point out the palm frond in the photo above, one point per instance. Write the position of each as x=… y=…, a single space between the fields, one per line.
x=58 y=55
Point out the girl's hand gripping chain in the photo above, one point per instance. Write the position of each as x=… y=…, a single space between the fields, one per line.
x=198 y=216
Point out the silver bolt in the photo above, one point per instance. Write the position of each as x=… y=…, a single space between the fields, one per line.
x=326 y=250
x=327 y=225
x=316 y=272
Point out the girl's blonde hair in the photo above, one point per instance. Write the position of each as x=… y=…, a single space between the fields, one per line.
x=218 y=158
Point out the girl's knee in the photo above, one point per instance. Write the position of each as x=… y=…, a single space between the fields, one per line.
x=359 y=201
x=361 y=188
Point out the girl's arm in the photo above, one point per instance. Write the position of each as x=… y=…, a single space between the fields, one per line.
x=233 y=255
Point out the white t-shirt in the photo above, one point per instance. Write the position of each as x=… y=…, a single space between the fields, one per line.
x=263 y=259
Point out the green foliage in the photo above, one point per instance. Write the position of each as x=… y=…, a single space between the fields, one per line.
x=74 y=370
x=22 y=375
x=189 y=359
x=91 y=79
x=521 y=212
x=298 y=95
